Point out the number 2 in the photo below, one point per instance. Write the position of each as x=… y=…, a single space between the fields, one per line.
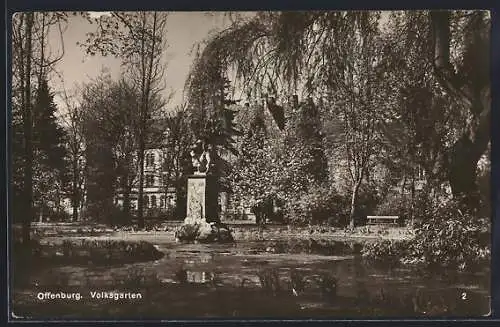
x=464 y=296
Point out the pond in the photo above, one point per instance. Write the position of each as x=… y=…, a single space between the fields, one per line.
x=248 y=280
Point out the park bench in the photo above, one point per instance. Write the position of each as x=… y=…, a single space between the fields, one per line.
x=373 y=220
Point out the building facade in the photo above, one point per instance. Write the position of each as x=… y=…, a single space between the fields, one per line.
x=159 y=196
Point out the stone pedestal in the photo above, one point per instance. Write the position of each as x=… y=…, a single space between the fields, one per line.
x=202 y=199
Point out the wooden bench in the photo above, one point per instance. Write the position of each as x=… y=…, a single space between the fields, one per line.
x=372 y=220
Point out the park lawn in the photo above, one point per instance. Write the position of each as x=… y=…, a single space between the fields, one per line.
x=57 y=232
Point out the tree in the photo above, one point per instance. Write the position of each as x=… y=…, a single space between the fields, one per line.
x=139 y=40
x=248 y=184
x=174 y=150
x=286 y=52
x=25 y=86
x=75 y=149
x=304 y=145
x=32 y=60
x=467 y=81
x=212 y=118
x=109 y=128
x=48 y=149
x=428 y=108
x=100 y=137
x=352 y=78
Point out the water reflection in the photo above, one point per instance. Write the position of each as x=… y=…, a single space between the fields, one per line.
x=202 y=280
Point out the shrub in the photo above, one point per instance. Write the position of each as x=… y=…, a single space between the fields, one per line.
x=368 y=200
x=484 y=185
x=318 y=205
x=160 y=213
x=94 y=251
x=117 y=217
x=59 y=215
x=385 y=251
x=450 y=237
x=187 y=232
x=445 y=237
x=394 y=205
x=204 y=232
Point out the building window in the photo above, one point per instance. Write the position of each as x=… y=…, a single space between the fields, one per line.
x=153 y=201
x=419 y=172
x=162 y=201
x=146 y=201
x=150 y=159
x=150 y=180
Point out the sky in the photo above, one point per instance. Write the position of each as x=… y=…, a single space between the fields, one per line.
x=184 y=31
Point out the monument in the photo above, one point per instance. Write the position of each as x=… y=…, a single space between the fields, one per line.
x=202 y=221
x=202 y=186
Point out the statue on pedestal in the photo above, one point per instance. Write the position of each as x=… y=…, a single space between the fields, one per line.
x=202 y=222
x=202 y=158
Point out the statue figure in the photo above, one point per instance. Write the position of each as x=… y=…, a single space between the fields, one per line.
x=202 y=158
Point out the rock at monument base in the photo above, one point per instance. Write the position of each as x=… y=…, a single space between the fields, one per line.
x=204 y=232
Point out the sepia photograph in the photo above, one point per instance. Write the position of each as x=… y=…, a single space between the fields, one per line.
x=249 y=165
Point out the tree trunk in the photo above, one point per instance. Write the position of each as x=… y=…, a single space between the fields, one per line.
x=462 y=158
x=28 y=127
x=140 y=199
x=462 y=172
x=412 y=198
x=75 y=196
x=126 y=197
x=354 y=202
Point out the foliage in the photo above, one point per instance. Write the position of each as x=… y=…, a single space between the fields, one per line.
x=484 y=185
x=110 y=130
x=48 y=145
x=451 y=237
x=211 y=107
x=256 y=154
x=303 y=162
x=293 y=162
x=161 y=214
x=187 y=232
x=445 y=237
x=138 y=39
x=75 y=154
x=318 y=205
x=399 y=83
x=32 y=64
x=174 y=146
x=96 y=251
x=304 y=154
x=395 y=205
x=215 y=232
x=204 y=232
x=385 y=251
x=48 y=164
